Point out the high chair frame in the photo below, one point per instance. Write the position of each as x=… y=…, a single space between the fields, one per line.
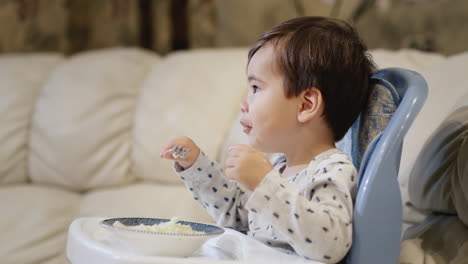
x=377 y=220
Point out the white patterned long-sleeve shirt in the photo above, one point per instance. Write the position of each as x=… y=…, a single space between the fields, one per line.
x=309 y=214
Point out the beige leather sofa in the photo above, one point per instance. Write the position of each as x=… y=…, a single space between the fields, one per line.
x=81 y=135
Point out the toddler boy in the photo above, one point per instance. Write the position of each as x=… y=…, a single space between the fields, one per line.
x=308 y=81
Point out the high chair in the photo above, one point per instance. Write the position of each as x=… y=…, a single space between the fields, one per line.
x=375 y=143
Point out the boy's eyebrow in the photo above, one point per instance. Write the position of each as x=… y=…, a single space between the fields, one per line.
x=254 y=78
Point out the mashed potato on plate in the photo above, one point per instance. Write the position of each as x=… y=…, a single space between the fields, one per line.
x=167 y=227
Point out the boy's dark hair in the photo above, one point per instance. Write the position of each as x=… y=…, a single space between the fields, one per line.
x=327 y=54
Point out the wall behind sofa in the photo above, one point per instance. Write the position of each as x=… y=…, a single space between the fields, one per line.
x=70 y=26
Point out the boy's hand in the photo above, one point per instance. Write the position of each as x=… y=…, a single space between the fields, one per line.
x=189 y=145
x=247 y=165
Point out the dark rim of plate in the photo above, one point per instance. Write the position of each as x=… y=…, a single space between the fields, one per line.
x=212 y=229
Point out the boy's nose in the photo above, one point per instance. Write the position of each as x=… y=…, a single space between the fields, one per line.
x=244 y=107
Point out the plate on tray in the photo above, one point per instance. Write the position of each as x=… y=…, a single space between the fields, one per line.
x=160 y=236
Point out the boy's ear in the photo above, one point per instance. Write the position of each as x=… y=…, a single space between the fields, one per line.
x=311 y=105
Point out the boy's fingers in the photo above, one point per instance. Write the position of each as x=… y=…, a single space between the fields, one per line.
x=172 y=144
x=167 y=155
x=166 y=152
x=228 y=164
x=233 y=154
x=175 y=152
x=235 y=151
x=235 y=147
x=239 y=146
x=231 y=162
x=231 y=173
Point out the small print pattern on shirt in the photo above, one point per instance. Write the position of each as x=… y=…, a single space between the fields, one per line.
x=309 y=214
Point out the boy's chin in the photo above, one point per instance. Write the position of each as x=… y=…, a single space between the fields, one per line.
x=260 y=147
x=254 y=144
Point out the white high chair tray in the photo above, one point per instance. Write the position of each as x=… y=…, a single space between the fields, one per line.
x=88 y=243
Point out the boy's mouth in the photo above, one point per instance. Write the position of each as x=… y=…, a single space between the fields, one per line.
x=246 y=127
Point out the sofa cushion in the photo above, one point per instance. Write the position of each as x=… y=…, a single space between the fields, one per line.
x=143 y=200
x=191 y=93
x=410 y=59
x=21 y=80
x=34 y=222
x=81 y=133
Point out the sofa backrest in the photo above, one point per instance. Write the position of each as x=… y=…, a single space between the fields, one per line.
x=21 y=80
x=101 y=118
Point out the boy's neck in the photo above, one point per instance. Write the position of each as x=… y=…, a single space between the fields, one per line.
x=308 y=142
x=303 y=156
x=299 y=159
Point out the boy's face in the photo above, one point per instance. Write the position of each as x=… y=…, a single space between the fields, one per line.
x=269 y=118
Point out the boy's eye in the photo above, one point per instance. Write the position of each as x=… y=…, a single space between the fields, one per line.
x=255 y=88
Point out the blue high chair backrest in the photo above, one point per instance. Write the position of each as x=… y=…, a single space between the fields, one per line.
x=377 y=220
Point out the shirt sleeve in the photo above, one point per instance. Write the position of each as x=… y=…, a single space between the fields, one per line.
x=314 y=214
x=223 y=199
